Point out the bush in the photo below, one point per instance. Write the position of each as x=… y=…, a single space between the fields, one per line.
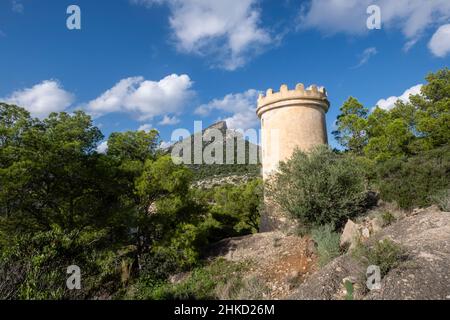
x=328 y=243
x=35 y=266
x=320 y=188
x=442 y=199
x=349 y=289
x=388 y=218
x=204 y=283
x=252 y=288
x=385 y=254
x=411 y=182
x=234 y=210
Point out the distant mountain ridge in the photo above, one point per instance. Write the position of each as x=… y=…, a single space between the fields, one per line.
x=204 y=171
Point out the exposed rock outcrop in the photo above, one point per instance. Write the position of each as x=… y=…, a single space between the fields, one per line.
x=280 y=262
x=425 y=235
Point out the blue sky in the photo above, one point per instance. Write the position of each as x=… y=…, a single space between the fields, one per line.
x=165 y=63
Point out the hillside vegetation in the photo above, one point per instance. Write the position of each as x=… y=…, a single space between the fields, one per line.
x=128 y=216
x=229 y=138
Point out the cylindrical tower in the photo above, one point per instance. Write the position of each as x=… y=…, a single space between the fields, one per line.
x=290 y=119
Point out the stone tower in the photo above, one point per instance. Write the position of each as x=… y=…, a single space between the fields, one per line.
x=290 y=119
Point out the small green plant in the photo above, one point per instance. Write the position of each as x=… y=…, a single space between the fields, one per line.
x=388 y=218
x=385 y=254
x=252 y=288
x=328 y=243
x=201 y=284
x=294 y=280
x=349 y=290
x=442 y=200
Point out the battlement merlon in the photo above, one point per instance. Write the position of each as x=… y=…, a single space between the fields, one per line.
x=311 y=96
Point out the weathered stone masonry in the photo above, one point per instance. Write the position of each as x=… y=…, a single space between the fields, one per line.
x=290 y=119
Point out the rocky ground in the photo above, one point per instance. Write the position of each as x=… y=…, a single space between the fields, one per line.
x=280 y=262
x=287 y=264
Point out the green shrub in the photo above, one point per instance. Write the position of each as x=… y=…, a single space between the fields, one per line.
x=411 y=182
x=234 y=210
x=34 y=268
x=442 y=199
x=251 y=289
x=385 y=254
x=320 y=187
x=328 y=243
x=388 y=218
x=349 y=288
x=201 y=284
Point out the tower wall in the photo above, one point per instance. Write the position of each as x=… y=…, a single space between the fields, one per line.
x=290 y=119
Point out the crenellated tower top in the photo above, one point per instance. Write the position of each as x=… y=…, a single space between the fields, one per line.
x=312 y=95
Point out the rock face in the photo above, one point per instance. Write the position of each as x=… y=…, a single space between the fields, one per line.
x=359 y=232
x=280 y=262
x=427 y=274
x=424 y=275
x=350 y=234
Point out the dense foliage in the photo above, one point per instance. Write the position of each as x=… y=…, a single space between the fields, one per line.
x=320 y=187
x=406 y=148
x=415 y=181
x=409 y=128
x=128 y=214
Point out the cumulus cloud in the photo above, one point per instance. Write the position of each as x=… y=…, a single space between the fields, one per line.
x=241 y=108
x=440 y=42
x=412 y=17
x=102 y=147
x=389 y=103
x=42 y=99
x=144 y=99
x=145 y=127
x=165 y=144
x=169 y=121
x=228 y=30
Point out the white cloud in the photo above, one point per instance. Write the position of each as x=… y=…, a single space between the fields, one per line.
x=228 y=30
x=169 y=121
x=440 y=42
x=412 y=17
x=145 y=127
x=17 y=6
x=389 y=103
x=165 y=145
x=144 y=99
x=42 y=99
x=102 y=147
x=366 y=55
x=241 y=106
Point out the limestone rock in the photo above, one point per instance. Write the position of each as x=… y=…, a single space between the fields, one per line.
x=350 y=235
x=365 y=233
x=424 y=275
